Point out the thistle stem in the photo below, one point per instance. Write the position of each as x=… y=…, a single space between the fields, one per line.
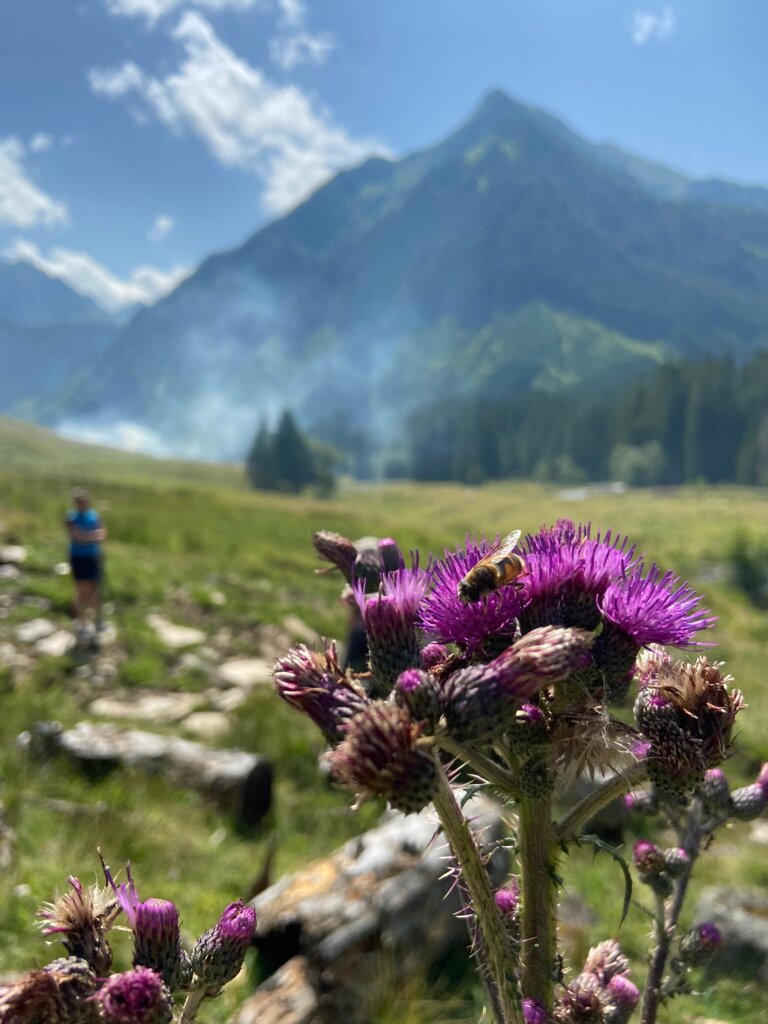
x=500 y=961
x=570 y=825
x=538 y=860
x=192 y=1005
x=667 y=917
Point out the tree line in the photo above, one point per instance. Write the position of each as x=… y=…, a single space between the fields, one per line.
x=692 y=421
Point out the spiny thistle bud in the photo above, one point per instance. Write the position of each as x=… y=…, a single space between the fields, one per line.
x=82 y=918
x=537 y=778
x=581 y=1002
x=314 y=684
x=615 y=653
x=390 y=624
x=687 y=712
x=433 y=655
x=622 y=996
x=508 y=902
x=700 y=943
x=219 y=953
x=534 y=1013
x=748 y=802
x=135 y=997
x=390 y=556
x=379 y=758
x=648 y=858
x=338 y=550
x=155 y=927
x=481 y=701
x=419 y=692
x=715 y=792
x=57 y=994
x=676 y=861
x=605 y=961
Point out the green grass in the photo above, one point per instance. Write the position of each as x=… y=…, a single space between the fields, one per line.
x=179 y=533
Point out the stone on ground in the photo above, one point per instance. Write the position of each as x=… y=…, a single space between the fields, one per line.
x=173 y=635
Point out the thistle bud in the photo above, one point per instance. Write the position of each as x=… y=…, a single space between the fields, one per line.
x=337 y=550
x=605 y=961
x=676 y=861
x=390 y=625
x=528 y=730
x=700 y=943
x=135 y=997
x=508 y=902
x=433 y=655
x=537 y=778
x=419 y=692
x=81 y=918
x=314 y=684
x=60 y=993
x=642 y=802
x=648 y=858
x=534 y=1013
x=621 y=996
x=390 y=556
x=748 y=802
x=379 y=758
x=715 y=792
x=219 y=953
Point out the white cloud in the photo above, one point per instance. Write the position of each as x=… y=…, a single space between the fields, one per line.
x=162 y=227
x=22 y=203
x=646 y=25
x=40 y=142
x=153 y=10
x=245 y=120
x=300 y=48
x=292 y=11
x=82 y=273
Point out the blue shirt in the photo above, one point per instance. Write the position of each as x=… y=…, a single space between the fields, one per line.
x=85 y=521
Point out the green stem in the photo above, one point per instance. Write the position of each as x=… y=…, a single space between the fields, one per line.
x=192 y=1005
x=538 y=862
x=485 y=767
x=500 y=961
x=570 y=826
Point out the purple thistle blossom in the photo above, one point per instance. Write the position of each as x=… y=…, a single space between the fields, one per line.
x=390 y=618
x=135 y=997
x=656 y=609
x=219 y=953
x=448 y=619
x=508 y=899
x=534 y=1013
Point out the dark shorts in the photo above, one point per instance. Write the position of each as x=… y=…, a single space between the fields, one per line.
x=86 y=567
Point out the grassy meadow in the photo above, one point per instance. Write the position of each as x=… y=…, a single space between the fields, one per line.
x=181 y=536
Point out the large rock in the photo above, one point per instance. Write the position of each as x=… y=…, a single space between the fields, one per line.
x=245 y=673
x=34 y=630
x=13 y=554
x=240 y=783
x=57 y=644
x=165 y=708
x=323 y=930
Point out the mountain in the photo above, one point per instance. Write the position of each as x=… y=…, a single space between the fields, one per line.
x=513 y=255
x=47 y=333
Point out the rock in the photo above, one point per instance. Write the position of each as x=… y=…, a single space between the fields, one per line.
x=742 y=917
x=9 y=573
x=290 y=996
x=384 y=890
x=227 y=700
x=8 y=655
x=163 y=708
x=41 y=603
x=62 y=569
x=217 y=598
x=173 y=635
x=300 y=631
x=34 y=630
x=245 y=673
x=7 y=842
x=207 y=725
x=240 y=783
x=13 y=554
x=56 y=645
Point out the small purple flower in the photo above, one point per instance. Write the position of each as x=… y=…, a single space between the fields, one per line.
x=390 y=619
x=433 y=655
x=700 y=943
x=314 y=684
x=534 y=1013
x=135 y=997
x=449 y=620
x=419 y=692
x=648 y=858
x=622 y=996
x=508 y=899
x=219 y=953
x=656 y=608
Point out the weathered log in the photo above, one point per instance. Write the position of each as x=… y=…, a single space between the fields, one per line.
x=240 y=783
x=382 y=897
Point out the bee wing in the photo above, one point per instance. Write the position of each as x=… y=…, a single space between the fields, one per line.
x=504 y=547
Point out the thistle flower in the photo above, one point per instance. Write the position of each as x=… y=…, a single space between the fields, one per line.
x=59 y=993
x=135 y=997
x=447 y=619
x=622 y=996
x=700 y=943
x=648 y=858
x=687 y=712
x=219 y=953
x=481 y=701
x=379 y=758
x=534 y=1013
x=676 y=861
x=508 y=900
x=390 y=619
x=419 y=692
x=155 y=927
x=433 y=655
x=715 y=792
x=568 y=571
x=314 y=684
x=606 y=961
x=82 y=918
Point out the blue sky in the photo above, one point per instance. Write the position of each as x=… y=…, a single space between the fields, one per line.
x=139 y=136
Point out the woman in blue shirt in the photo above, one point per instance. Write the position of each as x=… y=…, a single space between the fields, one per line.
x=86 y=533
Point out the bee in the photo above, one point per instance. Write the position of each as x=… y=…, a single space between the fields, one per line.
x=499 y=568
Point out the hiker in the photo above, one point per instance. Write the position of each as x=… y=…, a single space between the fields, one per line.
x=86 y=534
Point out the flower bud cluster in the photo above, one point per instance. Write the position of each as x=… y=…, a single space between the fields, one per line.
x=657 y=867
x=602 y=992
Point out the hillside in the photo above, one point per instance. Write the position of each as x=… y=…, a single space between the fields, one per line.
x=513 y=255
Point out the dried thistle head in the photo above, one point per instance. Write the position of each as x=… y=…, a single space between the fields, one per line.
x=81 y=918
x=590 y=742
x=57 y=994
